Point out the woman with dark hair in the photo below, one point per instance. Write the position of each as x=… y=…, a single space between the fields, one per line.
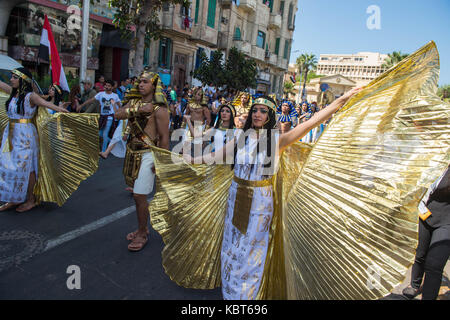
x=19 y=150
x=74 y=99
x=250 y=201
x=55 y=96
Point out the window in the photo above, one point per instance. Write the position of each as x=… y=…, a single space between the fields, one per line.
x=211 y=19
x=261 y=39
x=290 y=13
x=197 y=6
x=282 y=8
x=198 y=56
x=165 y=47
x=286 y=49
x=277 y=46
x=237 y=34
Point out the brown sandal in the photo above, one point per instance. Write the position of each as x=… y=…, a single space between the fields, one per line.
x=22 y=206
x=138 y=243
x=132 y=235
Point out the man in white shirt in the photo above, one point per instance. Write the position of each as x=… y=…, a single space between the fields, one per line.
x=109 y=103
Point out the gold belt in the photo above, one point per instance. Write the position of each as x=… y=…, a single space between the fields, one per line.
x=8 y=144
x=244 y=199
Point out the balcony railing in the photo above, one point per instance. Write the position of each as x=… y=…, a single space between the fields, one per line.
x=275 y=21
x=248 y=5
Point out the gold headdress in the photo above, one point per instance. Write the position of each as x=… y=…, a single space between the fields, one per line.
x=237 y=99
x=133 y=93
x=21 y=75
x=204 y=100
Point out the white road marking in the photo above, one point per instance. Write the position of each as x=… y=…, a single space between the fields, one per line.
x=88 y=228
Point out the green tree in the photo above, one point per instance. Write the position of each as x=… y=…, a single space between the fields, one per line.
x=211 y=70
x=444 y=92
x=238 y=72
x=138 y=21
x=393 y=58
x=306 y=63
x=288 y=88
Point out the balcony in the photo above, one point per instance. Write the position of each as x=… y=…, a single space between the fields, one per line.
x=248 y=5
x=258 y=53
x=226 y=4
x=282 y=63
x=275 y=21
x=243 y=46
x=273 y=60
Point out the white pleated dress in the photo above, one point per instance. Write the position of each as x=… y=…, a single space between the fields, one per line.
x=243 y=255
x=23 y=159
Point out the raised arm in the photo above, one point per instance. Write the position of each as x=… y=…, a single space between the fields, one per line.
x=35 y=99
x=91 y=100
x=5 y=87
x=288 y=138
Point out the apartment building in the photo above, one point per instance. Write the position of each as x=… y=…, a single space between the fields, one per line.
x=362 y=67
x=263 y=30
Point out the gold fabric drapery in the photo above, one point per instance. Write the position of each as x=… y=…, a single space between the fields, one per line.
x=345 y=209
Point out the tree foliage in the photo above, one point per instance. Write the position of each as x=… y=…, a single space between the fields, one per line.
x=393 y=58
x=306 y=63
x=238 y=72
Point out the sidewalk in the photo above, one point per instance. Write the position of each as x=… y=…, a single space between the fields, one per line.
x=444 y=292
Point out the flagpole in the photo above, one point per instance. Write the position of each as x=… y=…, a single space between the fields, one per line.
x=84 y=40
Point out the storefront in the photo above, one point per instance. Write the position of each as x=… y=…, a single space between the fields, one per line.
x=24 y=31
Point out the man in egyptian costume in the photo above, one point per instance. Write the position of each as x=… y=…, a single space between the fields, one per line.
x=197 y=109
x=242 y=104
x=334 y=220
x=148 y=126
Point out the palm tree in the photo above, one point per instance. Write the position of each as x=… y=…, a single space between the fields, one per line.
x=306 y=63
x=288 y=88
x=393 y=58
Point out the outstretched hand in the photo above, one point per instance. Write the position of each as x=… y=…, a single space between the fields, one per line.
x=351 y=93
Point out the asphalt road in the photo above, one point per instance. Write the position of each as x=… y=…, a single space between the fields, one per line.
x=88 y=232
x=38 y=247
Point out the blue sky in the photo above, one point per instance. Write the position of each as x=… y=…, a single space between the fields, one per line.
x=340 y=26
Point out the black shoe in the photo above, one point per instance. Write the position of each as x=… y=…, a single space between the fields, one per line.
x=411 y=293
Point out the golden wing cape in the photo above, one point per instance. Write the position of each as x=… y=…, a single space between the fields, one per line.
x=350 y=226
x=345 y=209
x=69 y=145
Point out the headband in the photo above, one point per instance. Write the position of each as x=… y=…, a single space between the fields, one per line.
x=266 y=103
x=21 y=75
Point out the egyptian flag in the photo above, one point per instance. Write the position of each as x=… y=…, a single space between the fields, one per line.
x=49 y=52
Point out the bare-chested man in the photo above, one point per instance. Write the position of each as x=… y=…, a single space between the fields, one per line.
x=197 y=108
x=148 y=123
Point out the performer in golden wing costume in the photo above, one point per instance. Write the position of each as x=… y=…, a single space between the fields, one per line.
x=345 y=210
x=242 y=104
x=68 y=150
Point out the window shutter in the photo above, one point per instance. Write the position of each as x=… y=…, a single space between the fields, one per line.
x=211 y=13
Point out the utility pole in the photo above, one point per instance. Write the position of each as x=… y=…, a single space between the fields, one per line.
x=84 y=40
